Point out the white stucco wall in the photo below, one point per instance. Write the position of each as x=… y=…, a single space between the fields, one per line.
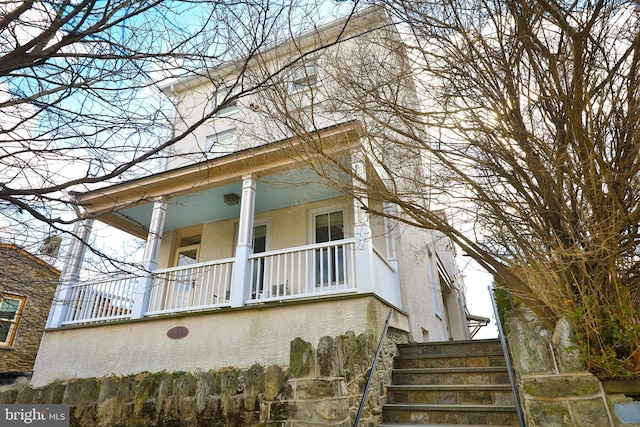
x=230 y=337
x=455 y=300
x=255 y=121
x=417 y=281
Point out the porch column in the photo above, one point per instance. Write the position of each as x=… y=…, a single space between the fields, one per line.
x=362 y=234
x=390 y=224
x=244 y=249
x=70 y=273
x=150 y=260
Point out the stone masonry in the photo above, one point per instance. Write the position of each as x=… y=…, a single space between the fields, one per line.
x=554 y=386
x=325 y=384
x=321 y=387
x=26 y=275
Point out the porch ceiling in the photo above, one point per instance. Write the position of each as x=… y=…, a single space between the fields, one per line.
x=196 y=192
x=272 y=192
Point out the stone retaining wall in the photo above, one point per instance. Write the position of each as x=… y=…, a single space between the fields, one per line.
x=554 y=386
x=322 y=386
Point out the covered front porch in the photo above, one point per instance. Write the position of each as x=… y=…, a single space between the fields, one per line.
x=245 y=229
x=311 y=271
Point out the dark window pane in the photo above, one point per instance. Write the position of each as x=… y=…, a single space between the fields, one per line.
x=9 y=307
x=188 y=241
x=260 y=239
x=337 y=226
x=4 y=330
x=322 y=228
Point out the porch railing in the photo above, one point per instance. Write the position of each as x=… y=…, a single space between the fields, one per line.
x=101 y=300
x=191 y=287
x=311 y=270
x=306 y=271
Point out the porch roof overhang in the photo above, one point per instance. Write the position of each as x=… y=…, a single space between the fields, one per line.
x=104 y=204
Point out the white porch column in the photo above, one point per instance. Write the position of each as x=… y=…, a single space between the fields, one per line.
x=390 y=224
x=244 y=249
x=70 y=273
x=362 y=234
x=150 y=260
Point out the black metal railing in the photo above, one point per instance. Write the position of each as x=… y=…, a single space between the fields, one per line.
x=507 y=358
x=373 y=369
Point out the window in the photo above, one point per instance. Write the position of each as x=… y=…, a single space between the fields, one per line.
x=304 y=77
x=259 y=246
x=330 y=261
x=225 y=105
x=329 y=227
x=259 y=238
x=221 y=143
x=10 y=310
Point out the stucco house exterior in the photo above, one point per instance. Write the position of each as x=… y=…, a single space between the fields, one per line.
x=27 y=286
x=247 y=248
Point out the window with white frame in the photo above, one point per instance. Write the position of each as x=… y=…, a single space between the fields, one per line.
x=221 y=143
x=304 y=76
x=10 y=310
x=225 y=101
x=330 y=261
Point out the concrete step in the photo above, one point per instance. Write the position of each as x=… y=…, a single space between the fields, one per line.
x=437 y=425
x=459 y=375
x=451 y=347
x=452 y=394
x=450 y=360
x=425 y=414
x=455 y=383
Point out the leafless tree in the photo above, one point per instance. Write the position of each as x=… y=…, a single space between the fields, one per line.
x=80 y=104
x=519 y=120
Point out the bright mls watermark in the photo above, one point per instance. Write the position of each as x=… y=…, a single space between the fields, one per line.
x=34 y=415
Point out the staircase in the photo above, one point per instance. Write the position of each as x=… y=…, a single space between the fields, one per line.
x=450 y=383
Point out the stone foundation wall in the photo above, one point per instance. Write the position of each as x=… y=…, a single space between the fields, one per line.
x=322 y=386
x=554 y=386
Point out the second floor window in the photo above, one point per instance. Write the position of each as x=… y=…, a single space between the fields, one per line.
x=221 y=143
x=304 y=77
x=225 y=102
x=10 y=310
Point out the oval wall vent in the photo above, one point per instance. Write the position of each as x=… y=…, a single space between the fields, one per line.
x=178 y=332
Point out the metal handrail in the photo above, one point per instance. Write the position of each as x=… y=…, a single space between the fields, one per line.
x=507 y=358
x=373 y=368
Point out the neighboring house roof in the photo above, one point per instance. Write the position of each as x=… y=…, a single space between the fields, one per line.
x=54 y=271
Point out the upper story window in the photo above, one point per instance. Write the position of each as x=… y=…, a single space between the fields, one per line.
x=304 y=77
x=10 y=310
x=221 y=143
x=222 y=101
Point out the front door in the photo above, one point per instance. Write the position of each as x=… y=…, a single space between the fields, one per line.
x=184 y=281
